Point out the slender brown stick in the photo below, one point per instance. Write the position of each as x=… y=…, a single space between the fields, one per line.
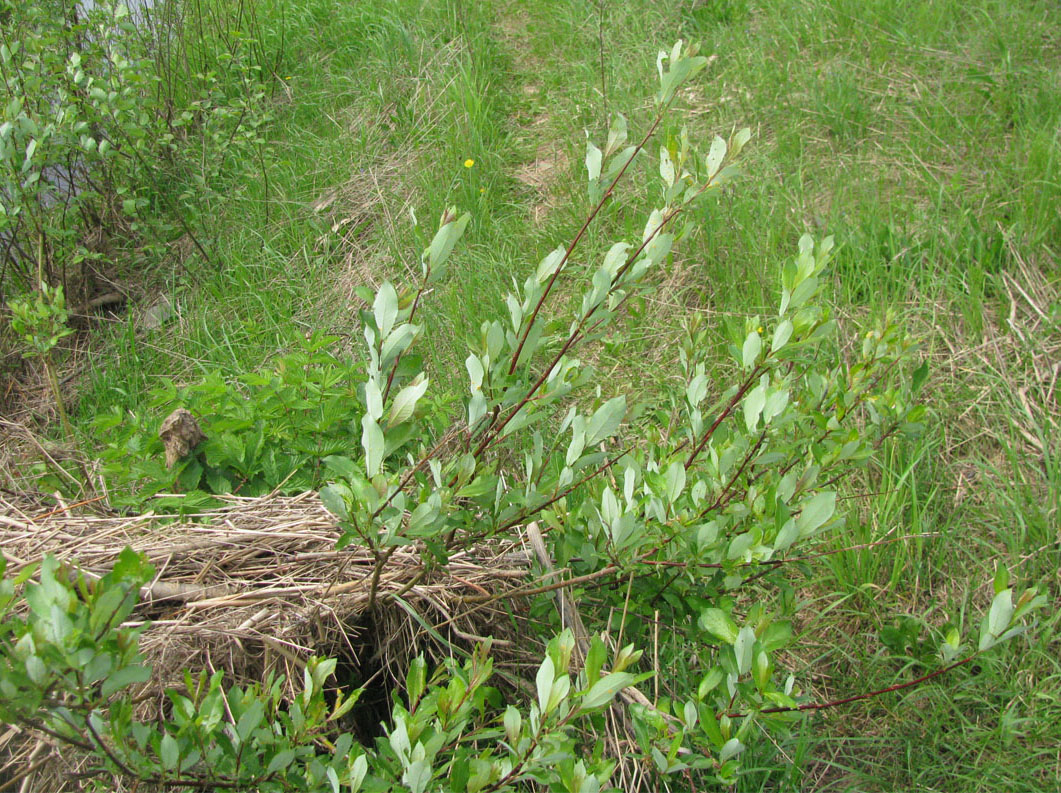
x=858 y=697
x=722 y=416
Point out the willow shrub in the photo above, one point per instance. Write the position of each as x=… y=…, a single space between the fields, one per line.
x=685 y=515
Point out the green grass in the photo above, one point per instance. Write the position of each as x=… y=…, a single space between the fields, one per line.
x=925 y=136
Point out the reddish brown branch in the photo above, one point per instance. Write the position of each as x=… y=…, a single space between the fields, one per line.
x=723 y=416
x=858 y=697
x=578 y=237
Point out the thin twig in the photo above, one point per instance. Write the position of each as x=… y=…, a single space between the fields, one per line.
x=858 y=697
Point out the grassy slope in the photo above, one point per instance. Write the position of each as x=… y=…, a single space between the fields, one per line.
x=925 y=136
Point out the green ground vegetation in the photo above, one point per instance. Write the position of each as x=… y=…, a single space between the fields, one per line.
x=924 y=136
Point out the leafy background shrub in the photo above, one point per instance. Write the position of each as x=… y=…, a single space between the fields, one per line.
x=114 y=127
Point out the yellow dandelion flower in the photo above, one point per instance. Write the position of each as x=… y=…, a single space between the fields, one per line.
x=469 y=163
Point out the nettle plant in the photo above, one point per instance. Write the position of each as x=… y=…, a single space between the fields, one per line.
x=273 y=430
x=683 y=517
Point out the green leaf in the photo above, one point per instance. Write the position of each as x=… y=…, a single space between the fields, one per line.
x=789 y=534
x=373 y=444
x=397 y=342
x=1001 y=577
x=951 y=645
x=776 y=402
x=697 y=390
x=595 y=659
x=475 y=371
x=710 y=681
x=280 y=761
x=609 y=510
x=358 y=770
x=578 y=441
x=443 y=242
x=762 y=670
x=732 y=748
x=561 y=688
x=513 y=722
x=660 y=759
x=1030 y=600
x=742 y=649
x=385 y=309
x=515 y=312
x=776 y=636
x=715 y=156
x=615 y=258
x=919 y=377
x=604 y=690
x=417 y=776
x=666 y=167
x=476 y=408
x=620 y=161
x=404 y=404
x=617 y=133
x=605 y=421
x=593 y=159
x=753 y=407
x=740 y=139
x=549 y=264
x=321 y=670
x=816 y=512
x=753 y=345
x=652 y=225
x=105 y=607
x=126 y=676
x=374 y=399
x=333 y=497
x=782 y=334
x=1001 y=612
x=415 y=680
x=544 y=681
x=36 y=670
x=987 y=640
x=719 y=624
x=344 y=704
x=399 y=739
x=250 y=719
x=343 y=466
x=526 y=416
x=740 y=545
x=803 y=292
x=168 y=752
x=675 y=481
